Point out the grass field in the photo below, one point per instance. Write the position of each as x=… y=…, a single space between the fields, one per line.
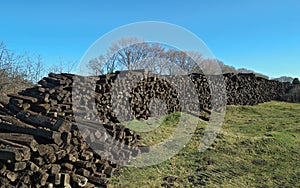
x=258 y=146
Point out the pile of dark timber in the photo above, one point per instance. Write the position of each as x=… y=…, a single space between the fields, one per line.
x=248 y=89
x=42 y=144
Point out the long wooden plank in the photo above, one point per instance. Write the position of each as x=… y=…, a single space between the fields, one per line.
x=24 y=139
x=14 y=153
x=56 y=124
x=14 y=120
x=22 y=97
x=51 y=135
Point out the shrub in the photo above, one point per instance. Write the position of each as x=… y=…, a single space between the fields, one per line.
x=293 y=95
x=296 y=81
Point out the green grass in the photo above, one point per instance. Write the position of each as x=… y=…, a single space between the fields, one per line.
x=258 y=146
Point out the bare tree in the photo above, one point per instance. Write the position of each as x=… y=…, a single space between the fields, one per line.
x=63 y=66
x=130 y=52
x=284 y=79
x=186 y=61
x=134 y=53
x=124 y=54
x=106 y=63
x=4 y=53
x=155 y=60
x=66 y=66
x=3 y=66
x=12 y=75
x=39 y=69
x=33 y=67
x=29 y=67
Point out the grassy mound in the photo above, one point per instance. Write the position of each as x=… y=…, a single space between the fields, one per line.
x=258 y=146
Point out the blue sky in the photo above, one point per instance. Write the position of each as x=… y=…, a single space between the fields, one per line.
x=260 y=35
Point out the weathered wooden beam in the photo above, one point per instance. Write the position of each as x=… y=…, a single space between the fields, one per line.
x=56 y=124
x=13 y=120
x=22 y=97
x=98 y=180
x=79 y=181
x=54 y=81
x=14 y=154
x=24 y=139
x=51 y=135
x=17 y=166
x=12 y=176
x=40 y=177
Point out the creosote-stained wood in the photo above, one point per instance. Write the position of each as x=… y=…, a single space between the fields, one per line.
x=52 y=135
x=24 y=139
